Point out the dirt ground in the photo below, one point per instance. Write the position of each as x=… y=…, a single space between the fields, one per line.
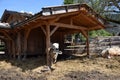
x=74 y=67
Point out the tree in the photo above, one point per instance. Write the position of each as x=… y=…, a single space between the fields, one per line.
x=68 y=1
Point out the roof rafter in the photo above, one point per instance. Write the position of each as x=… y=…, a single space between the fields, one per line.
x=69 y=26
x=84 y=33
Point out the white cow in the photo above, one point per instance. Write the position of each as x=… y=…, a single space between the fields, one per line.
x=109 y=52
x=53 y=52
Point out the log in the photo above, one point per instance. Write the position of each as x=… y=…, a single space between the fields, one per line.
x=48 y=45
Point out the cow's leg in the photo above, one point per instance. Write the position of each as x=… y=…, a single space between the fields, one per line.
x=55 y=58
x=49 y=59
x=50 y=62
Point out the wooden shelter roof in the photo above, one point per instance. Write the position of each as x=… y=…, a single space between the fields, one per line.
x=77 y=15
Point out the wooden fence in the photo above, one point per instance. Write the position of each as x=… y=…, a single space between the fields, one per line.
x=96 y=45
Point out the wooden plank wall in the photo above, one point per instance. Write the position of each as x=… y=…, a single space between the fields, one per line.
x=36 y=42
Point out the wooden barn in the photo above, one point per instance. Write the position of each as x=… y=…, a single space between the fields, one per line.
x=31 y=34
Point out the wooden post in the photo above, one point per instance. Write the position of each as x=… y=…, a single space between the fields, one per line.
x=18 y=45
x=26 y=34
x=48 y=45
x=25 y=49
x=88 y=44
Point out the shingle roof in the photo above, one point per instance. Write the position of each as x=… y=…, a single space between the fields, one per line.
x=6 y=12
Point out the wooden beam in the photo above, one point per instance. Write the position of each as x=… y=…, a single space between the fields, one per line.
x=69 y=26
x=52 y=32
x=48 y=45
x=84 y=33
x=54 y=19
x=43 y=29
x=35 y=26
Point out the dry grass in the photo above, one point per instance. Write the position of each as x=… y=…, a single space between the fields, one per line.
x=75 y=68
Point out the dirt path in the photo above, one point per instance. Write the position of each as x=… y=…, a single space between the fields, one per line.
x=76 y=68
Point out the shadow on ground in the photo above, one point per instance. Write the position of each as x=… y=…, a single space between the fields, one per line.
x=28 y=64
x=93 y=75
x=32 y=62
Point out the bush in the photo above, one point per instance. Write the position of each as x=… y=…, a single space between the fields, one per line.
x=99 y=33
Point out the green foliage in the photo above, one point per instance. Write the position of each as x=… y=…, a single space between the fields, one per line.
x=93 y=34
x=68 y=1
x=99 y=33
